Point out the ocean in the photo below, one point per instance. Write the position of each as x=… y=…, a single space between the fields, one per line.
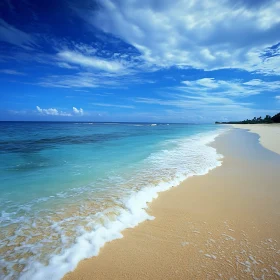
x=68 y=188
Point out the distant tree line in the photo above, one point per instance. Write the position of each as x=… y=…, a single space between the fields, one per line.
x=267 y=119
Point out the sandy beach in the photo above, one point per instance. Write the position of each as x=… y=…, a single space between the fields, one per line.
x=223 y=225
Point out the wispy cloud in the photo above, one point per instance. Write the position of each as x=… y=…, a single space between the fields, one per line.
x=14 y=36
x=90 y=61
x=18 y=112
x=199 y=102
x=232 y=88
x=81 y=80
x=213 y=98
x=113 y=105
x=180 y=108
x=12 y=72
x=66 y=65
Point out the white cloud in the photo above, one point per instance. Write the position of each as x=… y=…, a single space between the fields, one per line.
x=211 y=98
x=85 y=49
x=66 y=65
x=49 y=112
x=232 y=88
x=52 y=112
x=90 y=61
x=200 y=34
x=205 y=82
x=79 y=112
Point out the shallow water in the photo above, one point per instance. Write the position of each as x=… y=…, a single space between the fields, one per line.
x=68 y=188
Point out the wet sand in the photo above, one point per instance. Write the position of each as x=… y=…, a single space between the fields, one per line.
x=224 y=225
x=269 y=134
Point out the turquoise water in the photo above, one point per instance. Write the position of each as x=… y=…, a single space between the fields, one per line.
x=68 y=188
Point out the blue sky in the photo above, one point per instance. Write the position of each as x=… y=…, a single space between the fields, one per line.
x=149 y=60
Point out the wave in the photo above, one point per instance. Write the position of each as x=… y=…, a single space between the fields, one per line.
x=177 y=160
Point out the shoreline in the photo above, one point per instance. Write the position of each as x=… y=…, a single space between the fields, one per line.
x=199 y=231
x=267 y=133
x=199 y=160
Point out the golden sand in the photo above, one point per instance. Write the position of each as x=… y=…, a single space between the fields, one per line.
x=224 y=225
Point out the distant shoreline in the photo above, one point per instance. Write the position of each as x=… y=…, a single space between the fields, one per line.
x=241 y=123
x=267 y=120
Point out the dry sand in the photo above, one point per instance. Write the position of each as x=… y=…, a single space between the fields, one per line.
x=269 y=134
x=224 y=225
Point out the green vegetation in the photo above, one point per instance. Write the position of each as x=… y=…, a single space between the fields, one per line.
x=267 y=119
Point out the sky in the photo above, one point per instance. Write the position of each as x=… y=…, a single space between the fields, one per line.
x=141 y=61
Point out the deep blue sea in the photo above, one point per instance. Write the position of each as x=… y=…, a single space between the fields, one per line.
x=68 y=188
